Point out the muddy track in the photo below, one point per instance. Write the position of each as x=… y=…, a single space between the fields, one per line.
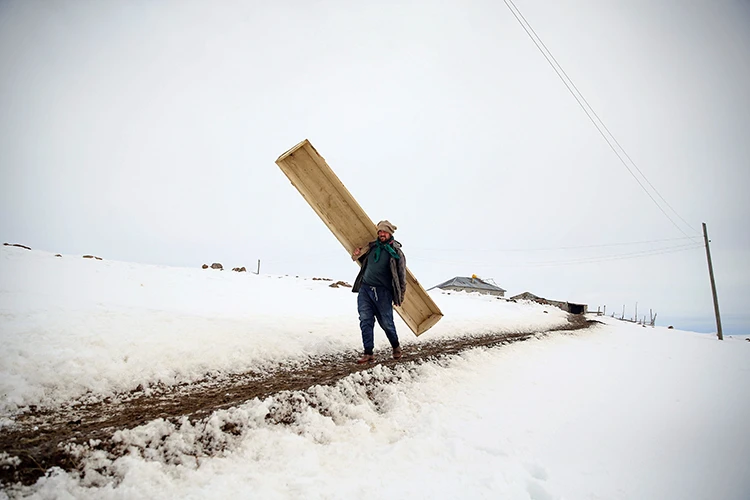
x=37 y=434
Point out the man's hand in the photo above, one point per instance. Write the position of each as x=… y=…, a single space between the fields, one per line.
x=357 y=252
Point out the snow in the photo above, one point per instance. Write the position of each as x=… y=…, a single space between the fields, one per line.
x=74 y=327
x=614 y=412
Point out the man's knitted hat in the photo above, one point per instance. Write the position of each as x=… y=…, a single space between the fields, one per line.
x=386 y=226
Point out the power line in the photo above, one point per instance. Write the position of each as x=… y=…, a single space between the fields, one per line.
x=598 y=118
x=633 y=255
x=583 y=260
x=602 y=245
x=516 y=13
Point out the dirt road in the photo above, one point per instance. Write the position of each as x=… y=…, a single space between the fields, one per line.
x=37 y=435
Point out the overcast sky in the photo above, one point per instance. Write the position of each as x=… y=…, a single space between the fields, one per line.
x=147 y=132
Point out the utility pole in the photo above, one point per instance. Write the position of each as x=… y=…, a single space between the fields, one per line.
x=713 y=283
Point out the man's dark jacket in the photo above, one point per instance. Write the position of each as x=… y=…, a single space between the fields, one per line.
x=398 y=271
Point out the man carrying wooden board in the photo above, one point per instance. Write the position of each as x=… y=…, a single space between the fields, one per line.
x=380 y=284
x=337 y=208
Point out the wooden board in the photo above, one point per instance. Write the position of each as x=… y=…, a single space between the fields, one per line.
x=325 y=193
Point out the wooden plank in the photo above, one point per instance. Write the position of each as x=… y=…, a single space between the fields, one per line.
x=338 y=209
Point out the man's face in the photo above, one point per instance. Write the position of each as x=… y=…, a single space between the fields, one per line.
x=384 y=235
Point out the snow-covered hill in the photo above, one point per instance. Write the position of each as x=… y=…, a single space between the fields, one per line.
x=617 y=411
x=72 y=326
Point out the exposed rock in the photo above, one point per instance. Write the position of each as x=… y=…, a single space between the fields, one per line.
x=218 y=266
x=240 y=269
x=16 y=245
x=58 y=255
x=92 y=257
x=670 y=327
x=322 y=279
x=340 y=283
x=204 y=266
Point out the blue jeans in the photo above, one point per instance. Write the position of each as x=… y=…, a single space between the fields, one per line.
x=374 y=302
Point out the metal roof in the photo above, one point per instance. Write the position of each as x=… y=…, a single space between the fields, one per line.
x=464 y=282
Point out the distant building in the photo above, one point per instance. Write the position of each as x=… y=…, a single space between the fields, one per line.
x=472 y=284
x=565 y=306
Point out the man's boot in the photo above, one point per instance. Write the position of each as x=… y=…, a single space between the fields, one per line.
x=366 y=358
x=397 y=353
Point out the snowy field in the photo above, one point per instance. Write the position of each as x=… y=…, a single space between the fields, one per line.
x=73 y=326
x=614 y=412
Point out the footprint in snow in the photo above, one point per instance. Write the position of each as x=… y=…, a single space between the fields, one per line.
x=537 y=471
x=537 y=492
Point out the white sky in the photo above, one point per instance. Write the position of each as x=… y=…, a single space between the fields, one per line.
x=148 y=133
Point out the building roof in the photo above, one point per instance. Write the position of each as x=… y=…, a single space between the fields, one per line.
x=474 y=283
x=527 y=294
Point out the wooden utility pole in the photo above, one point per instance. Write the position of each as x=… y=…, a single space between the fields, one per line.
x=713 y=283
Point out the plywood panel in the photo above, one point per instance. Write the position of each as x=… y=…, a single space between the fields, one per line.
x=330 y=199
